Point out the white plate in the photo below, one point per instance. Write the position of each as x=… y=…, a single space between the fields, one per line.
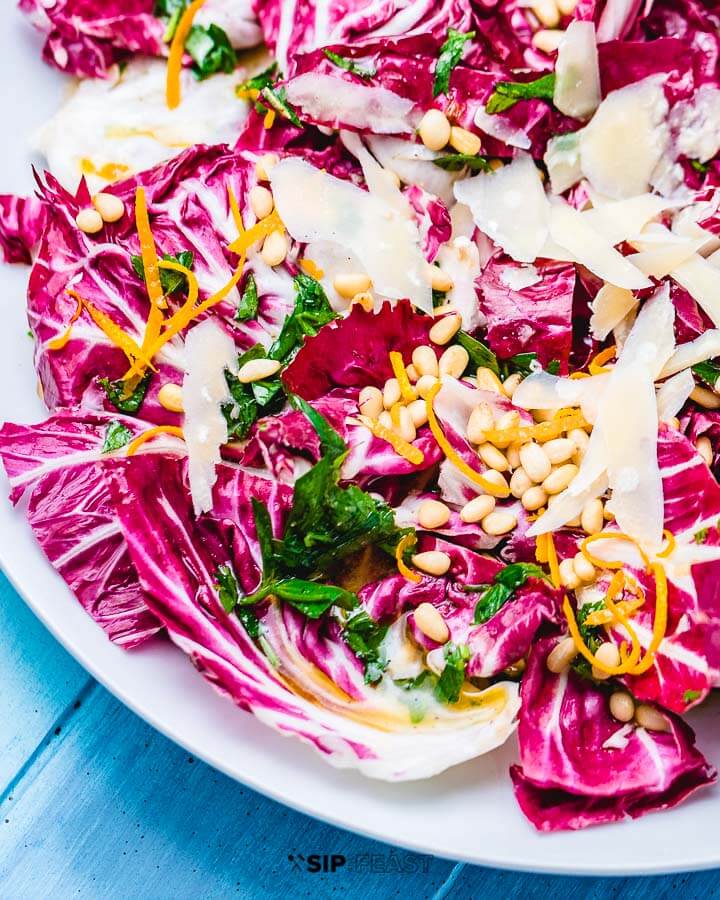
x=468 y=813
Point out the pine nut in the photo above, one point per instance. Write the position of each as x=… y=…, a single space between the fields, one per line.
x=566 y=7
x=364 y=299
x=370 y=402
x=591 y=518
x=425 y=384
x=431 y=623
x=513 y=455
x=257 y=369
x=560 y=478
x=499 y=522
x=464 y=141
x=261 y=201
x=519 y=482
x=439 y=280
x=547 y=12
x=706 y=398
x=584 y=569
x=487 y=380
x=434 y=562
x=406 y=428
x=434 y=129
x=511 y=384
x=622 y=706
x=561 y=656
x=264 y=166
x=433 y=514
x=444 y=330
x=559 y=450
x=444 y=309
x=495 y=164
x=349 y=285
x=609 y=655
x=568 y=575
x=435 y=660
x=548 y=39
x=170 y=397
x=534 y=498
x=481 y=420
x=110 y=207
x=425 y=360
x=493 y=458
x=579 y=438
x=496 y=478
x=89 y=221
x=418 y=413
x=391 y=393
x=412 y=373
x=385 y=419
x=704 y=448
x=275 y=248
x=507 y=423
x=454 y=361
x=650 y=718
x=477 y=508
x=535 y=462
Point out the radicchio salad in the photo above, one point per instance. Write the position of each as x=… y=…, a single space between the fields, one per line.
x=381 y=343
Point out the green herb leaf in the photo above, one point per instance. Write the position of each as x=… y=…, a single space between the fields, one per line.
x=171 y=12
x=553 y=367
x=248 y=306
x=258 y=82
x=450 y=55
x=700 y=167
x=480 y=354
x=227 y=588
x=491 y=602
x=521 y=362
x=313 y=599
x=505 y=583
x=275 y=99
x=454 y=162
x=126 y=403
x=312 y=311
x=507 y=93
x=708 y=371
x=249 y=620
x=691 y=696
x=349 y=65
x=701 y=536
x=117 y=435
x=447 y=689
x=364 y=636
x=170 y=281
x=211 y=51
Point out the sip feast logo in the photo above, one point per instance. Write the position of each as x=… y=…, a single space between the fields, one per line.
x=317 y=862
x=387 y=863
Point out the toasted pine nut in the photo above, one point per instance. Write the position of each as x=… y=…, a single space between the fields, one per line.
x=434 y=129
x=464 y=141
x=487 y=380
x=454 y=361
x=170 y=397
x=385 y=419
x=391 y=393
x=433 y=514
x=275 y=248
x=704 y=397
x=579 y=438
x=481 y=420
x=431 y=623
x=591 y=518
x=264 y=166
x=559 y=450
x=370 y=401
x=89 y=221
x=534 y=498
x=425 y=360
x=110 y=207
x=560 y=478
x=261 y=201
x=511 y=384
x=584 y=569
x=257 y=369
x=434 y=562
x=622 y=706
x=445 y=329
x=650 y=718
x=499 y=522
x=519 y=482
x=364 y=299
x=507 y=423
x=546 y=12
x=568 y=575
x=493 y=458
x=566 y=7
x=445 y=309
x=704 y=448
x=351 y=283
x=412 y=373
x=609 y=655
x=477 y=508
x=406 y=428
x=535 y=462
x=496 y=478
x=561 y=656
x=418 y=413
x=425 y=384
x=548 y=39
x=513 y=455
x=439 y=280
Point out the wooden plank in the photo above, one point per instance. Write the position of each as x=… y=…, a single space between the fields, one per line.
x=116 y=809
x=38 y=682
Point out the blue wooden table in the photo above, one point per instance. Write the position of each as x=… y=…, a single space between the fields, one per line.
x=95 y=803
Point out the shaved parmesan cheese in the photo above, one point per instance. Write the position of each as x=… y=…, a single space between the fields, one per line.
x=315 y=206
x=707 y=346
x=562 y=159
x=618 y=220
x=610 y=306
x=577 y=74
x=460 y=260
x=702 y=282
x=673 y=394
x=209 y=351
x=502 y=129
x=619 y=739
x=626 y=139
x=326 y=98
x=544 y=391
x=413 y=164
x=660 y=260
x=696 y=124
x=517 y=278
x=570 y=229
x=509 y=206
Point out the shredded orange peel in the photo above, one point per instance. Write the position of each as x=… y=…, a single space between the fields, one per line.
x=177 y=51
x=57 y=343
x=407 y=391
x=405 y=543
x=145 y=436
x=564 y=420
x=597 y=366
x=235 y=210
x=261 y=230
x=412 y=454
x=496 y=490
x=311 y=268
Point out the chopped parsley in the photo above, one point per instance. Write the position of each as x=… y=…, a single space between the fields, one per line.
x=494 y=596
x=211 y=51
x=508 y=93
x=170 y=281
x=128 y=403
x=701 y=536
x=117 y=435
x=227 y=588
x=482 y=356
x=450 y=55
x=258 y=82
x=275 y=99
x=247 y=308
x=707 y=371
x=349 y=65
x=447 y=689
x=691 y=696
x=454 y=162
x=364 y=636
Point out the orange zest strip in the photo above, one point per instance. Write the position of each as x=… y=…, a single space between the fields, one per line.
x=412 y=454
x=114 y=332
x=669 y=547
x=312 y=269
x=541 y=551
x=137 y=442
x=606 y=536
x=552 y=561
x=266 y=226
x=488 y=486
x=597 y=366
x=660 y=622
x=59 y=342
x=109 y=171
x=404 y=544
x=235 y=209
x=407 y=391
x=269 y=119
x=574 y=376
x=564 y=420
x=177 y=50
x=624 y=666
x=395 y=414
